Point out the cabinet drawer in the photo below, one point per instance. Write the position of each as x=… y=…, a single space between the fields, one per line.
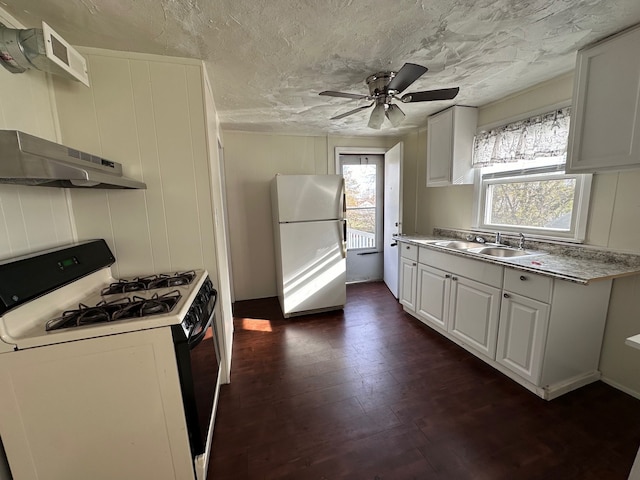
x=528 y=284
x=477 y=270
x=409 y=251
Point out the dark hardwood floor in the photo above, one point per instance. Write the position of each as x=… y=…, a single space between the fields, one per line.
x=371 y=393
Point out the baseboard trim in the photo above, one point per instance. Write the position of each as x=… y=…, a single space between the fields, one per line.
x=616 y=385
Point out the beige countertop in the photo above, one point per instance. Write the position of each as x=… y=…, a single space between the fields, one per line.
x=577 y=267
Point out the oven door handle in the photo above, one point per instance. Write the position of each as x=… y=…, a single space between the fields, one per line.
x=194 y=339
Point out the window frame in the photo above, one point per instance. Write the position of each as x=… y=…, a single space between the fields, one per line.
x=582 y=194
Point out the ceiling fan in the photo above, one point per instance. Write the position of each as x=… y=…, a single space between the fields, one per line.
x=387 y=86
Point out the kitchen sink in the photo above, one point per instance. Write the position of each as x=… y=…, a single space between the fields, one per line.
x=458 y=244
x=501 y=251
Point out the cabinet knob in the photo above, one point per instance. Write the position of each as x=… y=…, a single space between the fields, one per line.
x=447 y=276
x=506 y=295
x=523 y=278
x=414 y=264
x=408 y=247
x=454 y=278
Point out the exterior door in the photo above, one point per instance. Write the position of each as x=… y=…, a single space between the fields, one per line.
x=364 y=182
x=392 y=215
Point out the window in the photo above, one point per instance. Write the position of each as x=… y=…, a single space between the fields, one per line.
x=363 y=184
x=521 y=186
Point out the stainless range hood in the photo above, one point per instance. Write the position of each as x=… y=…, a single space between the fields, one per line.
x=29 y=160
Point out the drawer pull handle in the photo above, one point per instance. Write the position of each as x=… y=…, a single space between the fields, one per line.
x=506 y=295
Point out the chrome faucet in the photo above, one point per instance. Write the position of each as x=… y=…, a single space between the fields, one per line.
x=498 y=237
x=521 y=242
x=474 y=238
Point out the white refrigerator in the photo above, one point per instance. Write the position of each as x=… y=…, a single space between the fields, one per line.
x=310 y=242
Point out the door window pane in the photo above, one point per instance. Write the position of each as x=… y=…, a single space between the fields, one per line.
x=360 y=188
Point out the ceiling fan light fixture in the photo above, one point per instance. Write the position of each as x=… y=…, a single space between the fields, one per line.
x=377 y=116
x=395 y=115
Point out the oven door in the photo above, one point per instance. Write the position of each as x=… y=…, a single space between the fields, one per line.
x=198 y=367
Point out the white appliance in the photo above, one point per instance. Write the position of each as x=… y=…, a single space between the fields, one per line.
x=103 y=378
x=310 y=242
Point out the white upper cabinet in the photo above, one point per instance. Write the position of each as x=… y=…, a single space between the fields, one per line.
x=450 y=136
x=605 y=119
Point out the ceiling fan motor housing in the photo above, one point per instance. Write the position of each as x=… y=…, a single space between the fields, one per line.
x=378 y=83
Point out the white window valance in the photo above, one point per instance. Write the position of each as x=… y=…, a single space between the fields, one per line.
x=543 y=135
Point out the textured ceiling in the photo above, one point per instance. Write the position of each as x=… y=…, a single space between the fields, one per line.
x=269 y=59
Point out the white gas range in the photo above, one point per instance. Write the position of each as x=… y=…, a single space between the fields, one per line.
x=105 y=378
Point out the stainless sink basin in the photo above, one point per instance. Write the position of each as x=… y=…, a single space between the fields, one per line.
x=458 y=244
x=501 y=252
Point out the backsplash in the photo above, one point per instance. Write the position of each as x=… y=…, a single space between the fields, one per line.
x=32 y=219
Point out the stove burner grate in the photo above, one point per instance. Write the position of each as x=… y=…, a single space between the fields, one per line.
x=150 y=282
x=114 y=310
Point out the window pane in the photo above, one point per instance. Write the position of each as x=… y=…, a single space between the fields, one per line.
x=544 y=204
x=361 y=228
x=360 y=189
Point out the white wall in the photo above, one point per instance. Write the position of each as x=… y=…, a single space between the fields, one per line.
x=614 y=223
x=31 y=218
x=148 y=113
x=251 y=161
x=151 y=114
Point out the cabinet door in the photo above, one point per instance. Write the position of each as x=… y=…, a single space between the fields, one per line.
x=440 y=148
x=408 y=272
x=605 y=121
x=432 y=303
x=522 y=335
x=474 y=314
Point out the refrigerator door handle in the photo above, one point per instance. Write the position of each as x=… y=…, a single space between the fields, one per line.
x=343 y=243
x=344 y=204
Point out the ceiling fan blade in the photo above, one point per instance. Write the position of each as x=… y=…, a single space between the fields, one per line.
x=354 y=96
x=351 y=112
x=431 y=95
x=377 y=117
x=408 y=74
x=395 y=115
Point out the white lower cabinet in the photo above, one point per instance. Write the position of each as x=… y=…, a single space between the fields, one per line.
x=473 y=314
x=467 y=307
x=432 y=303
x=408 y=273
x=544 y=333
x=522 y=335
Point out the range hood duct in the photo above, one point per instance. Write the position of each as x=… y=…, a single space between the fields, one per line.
x=29 y=160
x=42 y=49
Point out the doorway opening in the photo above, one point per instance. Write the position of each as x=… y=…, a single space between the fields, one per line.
x=364 y=189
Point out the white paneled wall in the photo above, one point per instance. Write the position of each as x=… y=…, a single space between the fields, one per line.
x=146 y=112
x=31 y=218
